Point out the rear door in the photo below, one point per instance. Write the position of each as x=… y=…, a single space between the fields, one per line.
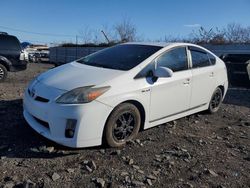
x=203 y=78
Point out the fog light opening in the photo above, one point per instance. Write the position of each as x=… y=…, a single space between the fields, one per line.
x=70 y=128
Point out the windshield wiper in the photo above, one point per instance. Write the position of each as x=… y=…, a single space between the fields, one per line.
x=98 y=65
x=94 y=64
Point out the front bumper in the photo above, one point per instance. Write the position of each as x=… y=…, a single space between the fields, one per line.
x=49 y=120
x=21 y=65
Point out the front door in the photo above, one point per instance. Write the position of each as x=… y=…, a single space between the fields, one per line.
x=171 y=96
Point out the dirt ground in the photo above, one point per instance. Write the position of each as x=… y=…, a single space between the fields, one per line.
x=201 y=150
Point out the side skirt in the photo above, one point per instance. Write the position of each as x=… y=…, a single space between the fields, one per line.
x=176 y=116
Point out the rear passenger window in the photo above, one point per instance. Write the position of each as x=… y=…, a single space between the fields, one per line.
x=175 y=59
x=199 y=58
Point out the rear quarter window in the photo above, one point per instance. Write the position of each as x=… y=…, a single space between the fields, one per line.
x=212 y=59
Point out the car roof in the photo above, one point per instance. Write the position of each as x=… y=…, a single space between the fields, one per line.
x=169 y=44
x=8 y=37
x=161 y=44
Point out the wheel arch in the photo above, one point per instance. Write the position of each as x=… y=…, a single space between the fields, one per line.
x=141 y=109
x=222 y=89
x=5 y=62
x=138 y=105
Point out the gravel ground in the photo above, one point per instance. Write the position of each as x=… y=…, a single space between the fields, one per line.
x=201 y=150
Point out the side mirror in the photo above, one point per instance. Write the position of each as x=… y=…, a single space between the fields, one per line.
x=163 y=72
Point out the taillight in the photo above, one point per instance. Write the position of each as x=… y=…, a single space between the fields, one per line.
x=22 y=56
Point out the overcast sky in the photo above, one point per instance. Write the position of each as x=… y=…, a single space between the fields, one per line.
x=153 y=18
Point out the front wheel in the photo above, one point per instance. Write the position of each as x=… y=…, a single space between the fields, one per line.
x=122 y=125
x=215 y=101
x=3 y=73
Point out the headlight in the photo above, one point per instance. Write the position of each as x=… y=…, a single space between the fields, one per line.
x=82 y=95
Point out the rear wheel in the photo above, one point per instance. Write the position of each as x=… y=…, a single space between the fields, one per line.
x=216 y=101
x=122 y=125
x=3 y=73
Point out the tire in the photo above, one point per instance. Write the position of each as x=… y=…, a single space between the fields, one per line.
x=248 y=69
x=125 y=119
x=215 y=101
x=3 y=73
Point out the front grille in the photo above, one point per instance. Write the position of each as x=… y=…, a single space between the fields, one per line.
x=37 y=98
x=43 y=123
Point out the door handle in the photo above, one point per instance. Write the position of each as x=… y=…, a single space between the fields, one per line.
x=211 y=74
x=187 y=81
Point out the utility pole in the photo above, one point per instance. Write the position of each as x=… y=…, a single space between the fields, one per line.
x=105 y=36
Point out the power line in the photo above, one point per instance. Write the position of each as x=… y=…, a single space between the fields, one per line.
x=36 y=33
x=35 y=41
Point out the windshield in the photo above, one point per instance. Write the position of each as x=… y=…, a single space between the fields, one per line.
x=120 y=57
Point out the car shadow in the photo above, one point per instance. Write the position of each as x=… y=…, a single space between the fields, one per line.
x=238 y=96
x=18 y=140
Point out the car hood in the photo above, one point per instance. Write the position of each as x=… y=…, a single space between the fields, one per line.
x=73 y=75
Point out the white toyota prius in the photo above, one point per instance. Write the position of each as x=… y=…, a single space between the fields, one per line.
x=108 y=96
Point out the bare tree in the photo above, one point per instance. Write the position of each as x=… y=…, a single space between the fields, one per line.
x=87 y=35
x=125 y=30
x=214 y=36
x=97 y=36
x=236 y=33
x=218 y=37
x=203 y=35
x=171 y=38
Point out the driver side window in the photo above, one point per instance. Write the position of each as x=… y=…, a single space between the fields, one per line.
x=175 y=59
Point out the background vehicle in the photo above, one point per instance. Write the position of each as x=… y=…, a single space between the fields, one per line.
x=11 y=55
x=39 y=57
x=237 y=68
x=111 y=94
